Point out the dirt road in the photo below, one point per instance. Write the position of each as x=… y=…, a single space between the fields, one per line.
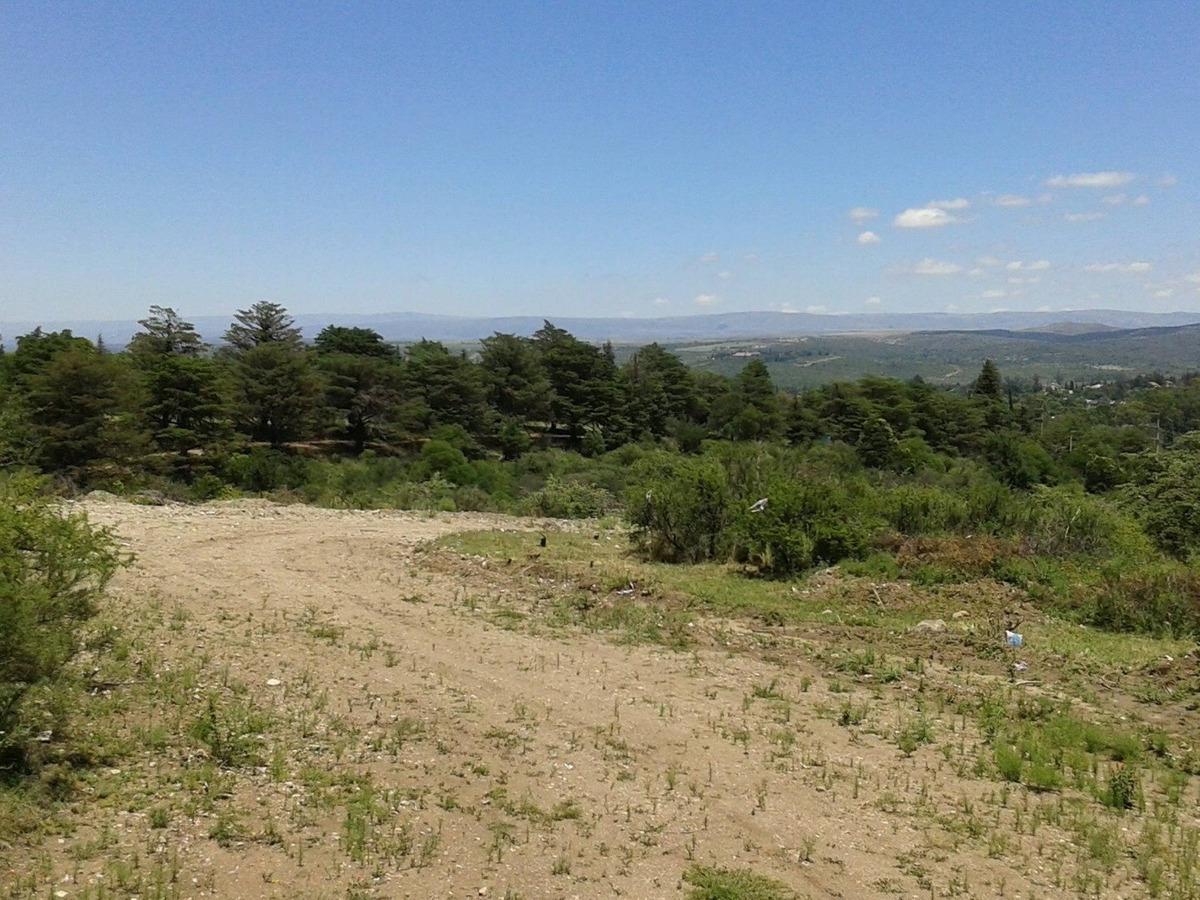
x=423 y=746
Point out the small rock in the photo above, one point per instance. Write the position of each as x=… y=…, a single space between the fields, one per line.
x=273 y=682
x=930 y=625
x=961 y=614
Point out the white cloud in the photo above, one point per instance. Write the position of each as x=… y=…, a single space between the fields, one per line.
x=1164 y=293
x=872 y=301
x=706 y=299
x=929 y=266
x=1084 y=216
x=752 y=258
x=710 y=257
x=725 y=275
x=1115 y=199
x=989 y=261
x=951 y=307
x=1167 y=181
x=924 y=217
x=862 y=214
x=1131 y=268
x=993 y=295
x=1037 y=265
x=1091 y=180
x=661 y=301
x=1194 y=278
x=1141 y=200
x=816 y=310
x=956 y=203
x=868 y=237
x=1012 y=200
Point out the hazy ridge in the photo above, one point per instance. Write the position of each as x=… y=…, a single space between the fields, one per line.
x=408 y=326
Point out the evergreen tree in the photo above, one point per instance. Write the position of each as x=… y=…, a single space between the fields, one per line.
x=363 y=391
x=446 y=388
x=659 y=390
x=989 y=383
x=517 y=386
x=354 y=342
x=82 y=412
x=751 y=410
x=165 y=333
x=262 y=323
x=580 y=376
x=276 y=392
x=185 y=407
x=36 y=349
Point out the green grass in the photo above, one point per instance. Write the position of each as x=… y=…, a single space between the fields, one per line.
x=1105 y=648
x=709 y=588
x=679 y=592
x=712 y=883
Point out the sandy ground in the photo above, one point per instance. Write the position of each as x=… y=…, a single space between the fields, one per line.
x=536 y=764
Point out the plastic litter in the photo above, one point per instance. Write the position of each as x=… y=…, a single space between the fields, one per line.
x=1014 y=639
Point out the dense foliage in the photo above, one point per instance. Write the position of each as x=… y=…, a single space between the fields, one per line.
x=1044 y=487
x=52 y=569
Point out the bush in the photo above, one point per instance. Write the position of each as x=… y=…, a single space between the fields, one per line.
x=805 y=523
x=263 y=470
x=53 y=568
x=1159 y=599
x=679 y=507
x=569 y=499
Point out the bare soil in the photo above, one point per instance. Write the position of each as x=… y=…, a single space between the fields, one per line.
x=501 y=756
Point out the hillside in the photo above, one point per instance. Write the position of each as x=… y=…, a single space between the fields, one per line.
x=953 y=357
x=406 y=326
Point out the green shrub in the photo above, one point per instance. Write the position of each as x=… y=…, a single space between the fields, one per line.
x=713 y=883
x=569 y=499
x=679 y=507
x=53 y=569
x=1159 y=598
x=1009 y=762
x=805 y=522
x=1122 y=789
x=263 y=470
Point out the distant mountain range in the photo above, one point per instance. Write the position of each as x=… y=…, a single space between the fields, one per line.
x=716 y=326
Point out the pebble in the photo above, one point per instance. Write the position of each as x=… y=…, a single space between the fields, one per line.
x=930 y=625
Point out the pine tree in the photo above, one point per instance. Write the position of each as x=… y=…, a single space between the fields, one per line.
x=262 y=323
x=165 y=333
x=276 y=392
x=989 y=383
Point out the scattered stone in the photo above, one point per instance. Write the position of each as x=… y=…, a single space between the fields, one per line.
x=930 y=625
x=273 y=682
x=961 y=614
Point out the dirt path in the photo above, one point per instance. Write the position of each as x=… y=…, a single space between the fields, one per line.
x=503 y=762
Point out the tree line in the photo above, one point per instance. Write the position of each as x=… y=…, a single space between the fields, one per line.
x=171 y=404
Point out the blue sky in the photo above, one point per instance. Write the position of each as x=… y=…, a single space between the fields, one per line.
x=599 y=158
